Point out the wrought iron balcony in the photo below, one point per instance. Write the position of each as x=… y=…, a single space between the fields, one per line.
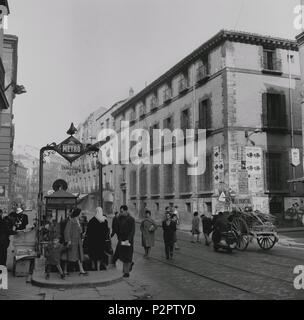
x=272 y=65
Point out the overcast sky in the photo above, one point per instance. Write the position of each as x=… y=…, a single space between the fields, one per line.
x=78 y=55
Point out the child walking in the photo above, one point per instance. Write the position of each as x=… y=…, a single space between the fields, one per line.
x=195 y=228
x=53 y=253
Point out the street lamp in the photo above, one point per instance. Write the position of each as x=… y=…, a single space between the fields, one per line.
x=248 y=135
x=17 y=89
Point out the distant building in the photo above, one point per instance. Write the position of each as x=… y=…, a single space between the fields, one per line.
x=83 y=176
x=20 y=183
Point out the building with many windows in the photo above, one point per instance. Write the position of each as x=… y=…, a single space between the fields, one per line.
x=8 y=80
x=243 y=89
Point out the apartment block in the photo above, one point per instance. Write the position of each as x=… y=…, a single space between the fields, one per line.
x=244 y=90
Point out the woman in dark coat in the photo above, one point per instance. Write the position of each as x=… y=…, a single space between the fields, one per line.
x=97 y=234
x=73 y=238
x=169 y=227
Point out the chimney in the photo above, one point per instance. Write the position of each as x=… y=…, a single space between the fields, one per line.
x=131 y=92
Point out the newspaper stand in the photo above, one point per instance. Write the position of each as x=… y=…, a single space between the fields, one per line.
x=59 y=202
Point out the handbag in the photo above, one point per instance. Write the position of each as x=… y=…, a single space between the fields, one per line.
x=151 y=228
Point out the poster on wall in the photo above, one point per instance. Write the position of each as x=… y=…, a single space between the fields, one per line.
x=234 y=165
x=260 y=204
x=254 y=167
x=294 y=208
x=218 y=168
x=243 y=182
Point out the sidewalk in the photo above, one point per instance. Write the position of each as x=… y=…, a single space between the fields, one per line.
x=126 y=289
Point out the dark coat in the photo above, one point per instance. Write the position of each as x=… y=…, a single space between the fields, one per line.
x=5 y=232
x=72 y=233
x=20 y=221
x=97 y=234
x=207 y=225
x=169 y=232
x=125 y=231
x=114 y=226
x=53 y=254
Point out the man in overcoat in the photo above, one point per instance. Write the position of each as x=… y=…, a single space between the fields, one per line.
x=125 y=233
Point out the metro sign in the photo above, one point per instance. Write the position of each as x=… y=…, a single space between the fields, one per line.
x=70 y=149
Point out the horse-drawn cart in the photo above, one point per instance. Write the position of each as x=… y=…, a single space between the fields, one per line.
x=258 y=225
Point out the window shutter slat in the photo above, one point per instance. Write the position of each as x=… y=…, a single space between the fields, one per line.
x=264 y=109
x=283 y=114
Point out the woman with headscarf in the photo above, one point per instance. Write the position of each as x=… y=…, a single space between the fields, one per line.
x=73 y=238
x=148 y=228
x=97 y=236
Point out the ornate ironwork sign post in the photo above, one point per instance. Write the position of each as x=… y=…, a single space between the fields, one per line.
x=70 y=149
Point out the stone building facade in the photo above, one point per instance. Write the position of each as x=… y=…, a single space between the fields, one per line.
x=244 y=89
x=8 y=79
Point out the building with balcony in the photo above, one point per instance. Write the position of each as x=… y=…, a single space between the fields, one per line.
x=244 y=90
x=8 y=75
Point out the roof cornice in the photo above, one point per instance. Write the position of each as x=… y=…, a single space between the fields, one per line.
x=300 y=38
x=220 y=37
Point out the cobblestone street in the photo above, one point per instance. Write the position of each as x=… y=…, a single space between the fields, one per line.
x=197 y=272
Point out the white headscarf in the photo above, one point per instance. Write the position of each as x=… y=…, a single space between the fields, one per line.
x=99 y=215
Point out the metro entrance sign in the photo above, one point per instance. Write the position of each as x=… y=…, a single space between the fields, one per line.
x=71 y=149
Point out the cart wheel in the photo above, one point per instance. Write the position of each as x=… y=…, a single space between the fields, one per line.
x=266 y=242
x=240 y=228
x=242 y=242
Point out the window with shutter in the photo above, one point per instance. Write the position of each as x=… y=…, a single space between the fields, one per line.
x=154 y=180
x=274 y=111
x=133 y=182
x=184 y=178
x=143 y=181
x=185 y=119
x=271 y=61
x=204 y=115
x=205 y=180
x=168 y=178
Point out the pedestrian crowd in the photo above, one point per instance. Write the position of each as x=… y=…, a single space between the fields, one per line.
x=75 y=242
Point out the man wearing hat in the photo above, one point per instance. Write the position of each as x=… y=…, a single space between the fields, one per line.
x=20 y=220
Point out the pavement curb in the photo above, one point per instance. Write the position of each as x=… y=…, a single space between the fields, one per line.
x=38 y=280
